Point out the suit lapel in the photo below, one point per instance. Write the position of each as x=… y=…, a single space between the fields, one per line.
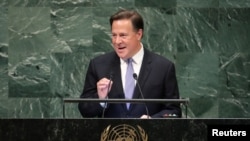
x=143 y=76
x=114 y=66
x=144 y=72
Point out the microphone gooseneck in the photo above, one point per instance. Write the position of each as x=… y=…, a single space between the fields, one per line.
x=105 y=105
x=136 y=78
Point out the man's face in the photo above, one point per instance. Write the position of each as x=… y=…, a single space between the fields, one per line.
x=125 y=40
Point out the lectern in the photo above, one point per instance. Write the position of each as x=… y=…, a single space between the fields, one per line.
x=77 y=100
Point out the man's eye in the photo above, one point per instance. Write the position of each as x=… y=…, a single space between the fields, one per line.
x=123 y=35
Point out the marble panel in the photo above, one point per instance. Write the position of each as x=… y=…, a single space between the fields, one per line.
x=3 y=28
x=234 y=108
x=197 y=30
x=4 y=107
x=3 y=53
x=71 y=111
x=4 y=88
x=159 y=33
x=30 y=78
x=113 y=3
x=203 y=107
x=198 y=75
x=68 y=74
x=3 y=76
x=235 y=75
x=234 y=3
x=71 y=3
x=35 y=108
x=73 y=27
x=28 y=3
x=29 y=31
x=3 y=3
x=102 y=29
x=198 y=3
x=159 y=3
x=234 y=30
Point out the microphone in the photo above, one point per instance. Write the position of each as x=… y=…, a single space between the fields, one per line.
x=105 y=105
x=136 y=78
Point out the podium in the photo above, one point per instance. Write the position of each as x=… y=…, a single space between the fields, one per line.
x=107 y=129
x=89 y=129
x=182 y=101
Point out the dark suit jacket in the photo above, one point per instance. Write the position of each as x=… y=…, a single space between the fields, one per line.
x=157 y=79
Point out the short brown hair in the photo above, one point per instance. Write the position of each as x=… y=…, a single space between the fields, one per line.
x=134 y=16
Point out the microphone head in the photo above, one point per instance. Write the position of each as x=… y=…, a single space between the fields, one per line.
x=135 y=76
x=111 y=75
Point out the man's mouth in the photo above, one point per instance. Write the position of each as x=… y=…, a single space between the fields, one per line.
x=120 y=48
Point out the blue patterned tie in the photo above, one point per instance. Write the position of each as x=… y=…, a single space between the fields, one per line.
x=129 y=81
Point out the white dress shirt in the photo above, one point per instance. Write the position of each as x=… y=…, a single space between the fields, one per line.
x=137 y=62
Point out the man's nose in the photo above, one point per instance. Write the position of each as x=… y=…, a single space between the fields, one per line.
x=117 y=39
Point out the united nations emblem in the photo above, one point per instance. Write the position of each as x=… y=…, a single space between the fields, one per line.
x=124 y=132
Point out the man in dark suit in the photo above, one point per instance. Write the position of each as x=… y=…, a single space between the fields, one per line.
x=106 y=75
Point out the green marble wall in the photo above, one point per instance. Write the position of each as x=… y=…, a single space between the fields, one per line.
x=45 y=47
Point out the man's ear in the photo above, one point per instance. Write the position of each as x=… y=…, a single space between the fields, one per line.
x=139 y=34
